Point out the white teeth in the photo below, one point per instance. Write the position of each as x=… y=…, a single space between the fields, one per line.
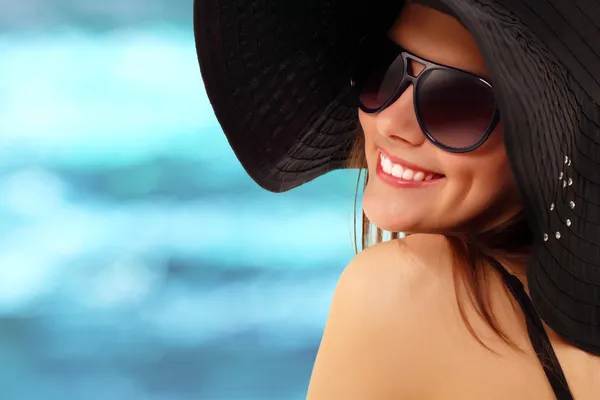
x=408 y=174
x=403 y=173
x=419 y=176
x=397 y=171
x=386 y=165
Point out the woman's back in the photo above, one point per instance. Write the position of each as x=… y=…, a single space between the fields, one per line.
x=395 y=324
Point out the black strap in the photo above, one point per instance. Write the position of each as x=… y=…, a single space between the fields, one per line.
x=538 y=335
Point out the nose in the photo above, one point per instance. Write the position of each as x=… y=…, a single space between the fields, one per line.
x=399 y=123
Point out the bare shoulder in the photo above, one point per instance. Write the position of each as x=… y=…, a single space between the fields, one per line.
x=381 y=317
x=397 y=272
x=399 y=269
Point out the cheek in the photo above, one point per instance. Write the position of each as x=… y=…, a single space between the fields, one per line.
x=493 y=171
x=487 y=167
x=367 y=123
x=484 y=185
x=369 y=131
x=496 y=179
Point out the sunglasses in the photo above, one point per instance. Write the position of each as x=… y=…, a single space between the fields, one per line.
x=456 y=109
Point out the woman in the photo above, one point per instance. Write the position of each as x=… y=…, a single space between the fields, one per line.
x=479 y=132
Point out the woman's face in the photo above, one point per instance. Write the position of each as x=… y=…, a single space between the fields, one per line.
x=477 y=189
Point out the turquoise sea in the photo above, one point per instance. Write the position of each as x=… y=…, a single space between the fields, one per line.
x=137 y=260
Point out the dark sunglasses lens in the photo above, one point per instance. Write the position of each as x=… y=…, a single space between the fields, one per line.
x=380 y=70
x=455 y=108
x=381 y=84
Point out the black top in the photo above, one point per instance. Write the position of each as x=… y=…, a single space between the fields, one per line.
x=537 y=335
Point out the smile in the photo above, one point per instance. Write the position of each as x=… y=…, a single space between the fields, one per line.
x=397 y=173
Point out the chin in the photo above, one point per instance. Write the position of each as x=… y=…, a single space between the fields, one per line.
x=392 y=216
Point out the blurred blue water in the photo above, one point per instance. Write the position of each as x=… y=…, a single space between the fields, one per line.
x=137 y=260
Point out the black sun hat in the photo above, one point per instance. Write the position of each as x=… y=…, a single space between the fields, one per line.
x=277 y=73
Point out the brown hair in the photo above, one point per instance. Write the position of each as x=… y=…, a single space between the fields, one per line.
x=510 y=242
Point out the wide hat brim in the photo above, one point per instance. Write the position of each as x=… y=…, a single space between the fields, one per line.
x=277 y=74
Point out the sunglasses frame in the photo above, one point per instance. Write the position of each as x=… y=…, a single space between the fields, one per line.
x=408 y=79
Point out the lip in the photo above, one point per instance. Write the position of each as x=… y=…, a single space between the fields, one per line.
x=401 y=183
